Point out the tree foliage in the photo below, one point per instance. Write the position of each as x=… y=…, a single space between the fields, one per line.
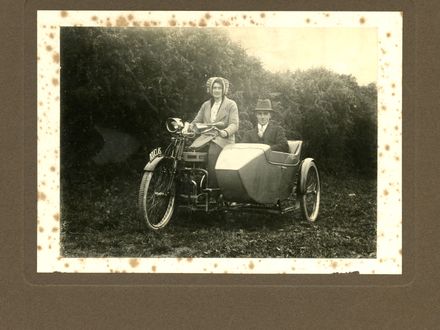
x=333 y=115
x=132 y=79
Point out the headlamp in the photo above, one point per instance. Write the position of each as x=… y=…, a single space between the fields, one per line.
x=174 y=124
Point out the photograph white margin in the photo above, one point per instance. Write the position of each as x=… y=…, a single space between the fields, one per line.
x=389 y=173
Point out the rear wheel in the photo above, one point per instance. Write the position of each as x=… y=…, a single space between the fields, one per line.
x=157 y=195
x=310 y=190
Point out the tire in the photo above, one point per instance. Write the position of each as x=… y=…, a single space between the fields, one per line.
x=310 y=190
x=157 y=195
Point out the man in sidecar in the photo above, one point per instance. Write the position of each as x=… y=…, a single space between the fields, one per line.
x=266 y=131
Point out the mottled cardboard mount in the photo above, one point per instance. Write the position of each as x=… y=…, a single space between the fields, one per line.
x=388 y=26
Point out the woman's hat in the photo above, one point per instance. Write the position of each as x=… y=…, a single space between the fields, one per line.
x=264 y=105
x=223 y=81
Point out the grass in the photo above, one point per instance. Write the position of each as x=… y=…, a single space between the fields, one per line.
x=99 y=219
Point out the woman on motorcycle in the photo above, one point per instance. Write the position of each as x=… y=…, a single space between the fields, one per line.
x=219 y=108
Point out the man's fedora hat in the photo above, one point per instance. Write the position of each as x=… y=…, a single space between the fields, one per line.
x=263 y=105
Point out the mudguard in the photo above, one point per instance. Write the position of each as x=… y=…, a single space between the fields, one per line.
x=302 y=179
x=152 y=164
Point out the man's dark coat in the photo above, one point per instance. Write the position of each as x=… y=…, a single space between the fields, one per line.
x=273 y=135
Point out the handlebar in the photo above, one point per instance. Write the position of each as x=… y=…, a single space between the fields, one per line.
x=189 y=134
x=176 y=125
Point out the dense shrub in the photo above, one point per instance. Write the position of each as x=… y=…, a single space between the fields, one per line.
x=132 y=79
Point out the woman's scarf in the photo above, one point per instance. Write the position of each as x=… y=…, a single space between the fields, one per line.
x=224 y=82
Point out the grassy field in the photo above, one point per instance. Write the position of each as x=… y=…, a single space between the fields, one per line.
x=99 y=219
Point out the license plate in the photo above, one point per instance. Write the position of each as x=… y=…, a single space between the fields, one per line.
x=156 y=152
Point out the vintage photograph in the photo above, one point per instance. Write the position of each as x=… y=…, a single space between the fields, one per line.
x=232 y=141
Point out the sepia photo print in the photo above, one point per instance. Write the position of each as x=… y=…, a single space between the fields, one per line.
x=219 y=142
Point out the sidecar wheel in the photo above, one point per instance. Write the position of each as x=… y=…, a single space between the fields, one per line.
x=157 y=196
x=309 y=190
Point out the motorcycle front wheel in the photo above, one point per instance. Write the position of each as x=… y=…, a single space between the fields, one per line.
x=157 y=195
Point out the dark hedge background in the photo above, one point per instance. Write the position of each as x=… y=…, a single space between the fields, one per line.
x=132 y=79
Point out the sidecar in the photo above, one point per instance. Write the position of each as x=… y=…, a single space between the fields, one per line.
x=254 y=175
x=251 y=177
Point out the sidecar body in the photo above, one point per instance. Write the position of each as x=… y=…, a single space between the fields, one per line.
x=253 y=173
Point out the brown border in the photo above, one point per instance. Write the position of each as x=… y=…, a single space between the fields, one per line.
x=30 y=300
x=192 y=279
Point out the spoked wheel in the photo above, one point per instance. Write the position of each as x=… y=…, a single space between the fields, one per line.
x=157 y=195
x=310 y=190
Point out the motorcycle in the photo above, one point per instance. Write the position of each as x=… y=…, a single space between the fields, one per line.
x=251 y=178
